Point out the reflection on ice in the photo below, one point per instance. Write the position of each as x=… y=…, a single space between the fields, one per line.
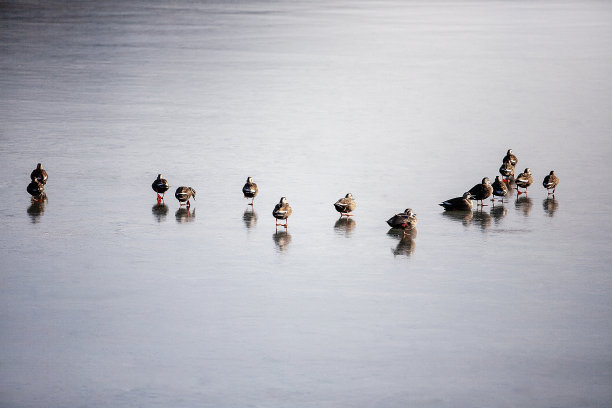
x=160 y=211
x=406 y=244
x=184 y=214
x=523 y=204
x=249 y=217
x=281 y=239
x=550 y=206
x=37 y=208
x=482 y=219
x=465 y=217
x=498 y=213
x=345 y=226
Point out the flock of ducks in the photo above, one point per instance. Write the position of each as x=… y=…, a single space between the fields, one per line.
x=405 y=221
x=500 y=187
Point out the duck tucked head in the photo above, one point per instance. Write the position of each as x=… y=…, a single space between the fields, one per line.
x=467 y=195
x=409 y=212
x=349 y=195
x=527 y=171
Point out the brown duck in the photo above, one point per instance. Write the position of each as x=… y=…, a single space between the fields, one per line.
x=160 y=186
x=463 y=203
x=500 y=189
x=551 y=182
x=523 y=180
x=406 y=220
x=282 y=211
x=250 y=190
x=481 y=191
x=510 y=157
x=39 y=174
x=183 y=194
x=345 y=205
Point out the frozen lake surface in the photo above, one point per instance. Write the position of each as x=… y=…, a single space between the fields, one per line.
x=107 y=300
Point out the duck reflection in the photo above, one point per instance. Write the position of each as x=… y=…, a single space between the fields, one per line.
x=184 y=214
x=498 y=213
x=160 y=211
x=550 y=206
x=249 y=217
x=281 y=239
x=37 y=209
x=483 y=219
x=523 y=204
x=406 y=244
x=465 y=217
x=345 y=226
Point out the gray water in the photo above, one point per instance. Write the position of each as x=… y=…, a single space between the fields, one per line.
x=109 y=301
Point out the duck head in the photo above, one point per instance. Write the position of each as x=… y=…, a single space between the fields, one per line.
x=485 y=180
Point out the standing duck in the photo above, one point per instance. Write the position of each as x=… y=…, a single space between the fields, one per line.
x=250 y=190
x=36 y=190
x=406 y=221
x=160 y=186
x=500 y=189
x=463 y=203
x=523 y=180
x=506 y=170
x=481 y=191
x=39 y=174
x=183 y=194
x=551 y=182
x=345 y=205
x=282 y=211
x=510 y=157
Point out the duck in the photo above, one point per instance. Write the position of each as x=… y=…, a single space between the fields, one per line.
x=510 y=157
x=183 y=194
x=36 y=190
x=463 y=203
x=523 y=180
x=551 y=182
x=345 y=205
x=406 y=220
x=500 y=189
x=250 y=190
x=39 y=174
x=481 y=191
x=282 y=211
x=506 y=170
x=160 y=186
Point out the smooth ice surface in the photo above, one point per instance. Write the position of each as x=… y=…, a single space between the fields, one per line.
x=109 y=301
